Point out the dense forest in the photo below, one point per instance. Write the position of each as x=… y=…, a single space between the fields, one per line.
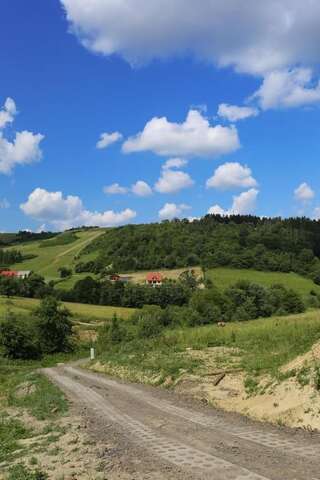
x=271 y=244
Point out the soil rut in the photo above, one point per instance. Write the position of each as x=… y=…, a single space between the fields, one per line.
x=188 y=442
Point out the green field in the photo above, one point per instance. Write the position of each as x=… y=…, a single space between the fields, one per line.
x=68 y=283
x=224 y=277
x=50 y=258
x=80 y=311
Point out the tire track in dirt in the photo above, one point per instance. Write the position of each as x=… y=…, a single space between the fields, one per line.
x=171 y=451
x=257 y=436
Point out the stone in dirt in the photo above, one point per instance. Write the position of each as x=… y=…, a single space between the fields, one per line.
x=25 y=389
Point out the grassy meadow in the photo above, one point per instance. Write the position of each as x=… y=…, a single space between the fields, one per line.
x=224 y=277
x=80 y=311
x=50 y=258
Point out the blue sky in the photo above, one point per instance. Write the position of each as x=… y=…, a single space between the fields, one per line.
x=75 y=74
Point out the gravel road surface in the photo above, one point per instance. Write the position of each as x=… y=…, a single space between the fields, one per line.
x=159 y=435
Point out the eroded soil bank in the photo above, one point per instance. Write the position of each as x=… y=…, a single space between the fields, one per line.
x=290 y=398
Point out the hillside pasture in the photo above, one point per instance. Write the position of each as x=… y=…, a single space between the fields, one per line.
x=80 y=311
x=50 y=256
x=224 y=277
x=69 y=283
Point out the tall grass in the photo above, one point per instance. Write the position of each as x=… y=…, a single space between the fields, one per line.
x=264 y=344
x=260 y=346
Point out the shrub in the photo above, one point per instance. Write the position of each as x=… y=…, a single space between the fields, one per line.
x=149 y=321
x=65 y=272
x=19 y=338
x=54 y=326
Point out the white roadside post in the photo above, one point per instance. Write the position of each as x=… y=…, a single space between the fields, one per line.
x=91 y=353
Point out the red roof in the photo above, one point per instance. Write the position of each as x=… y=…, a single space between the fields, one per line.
x=8 y=273
x=154 y=277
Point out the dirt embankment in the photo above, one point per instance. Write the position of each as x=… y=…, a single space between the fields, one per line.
x=291 y=399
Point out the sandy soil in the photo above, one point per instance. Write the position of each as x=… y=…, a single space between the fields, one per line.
x=287 y=402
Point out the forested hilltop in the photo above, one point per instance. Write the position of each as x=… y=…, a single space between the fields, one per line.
x=272 y=244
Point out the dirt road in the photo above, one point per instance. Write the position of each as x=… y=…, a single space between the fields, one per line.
x=158 y=435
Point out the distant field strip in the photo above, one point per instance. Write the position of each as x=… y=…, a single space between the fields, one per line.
x=79 y=310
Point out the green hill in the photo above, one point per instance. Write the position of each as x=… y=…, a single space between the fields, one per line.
x=60 y=251
x=261 y=250
x=244 y=242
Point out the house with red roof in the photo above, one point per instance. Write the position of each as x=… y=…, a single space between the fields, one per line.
x=154 y=279
x=15 y=274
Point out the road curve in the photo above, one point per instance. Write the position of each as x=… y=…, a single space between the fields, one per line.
x=189 y=441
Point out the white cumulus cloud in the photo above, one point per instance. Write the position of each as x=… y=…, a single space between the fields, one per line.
x=141 y=189
x=304 y=193
x=172 y=210
x=115 y=189
x=23 y=150
x=260 y=37
x=107 y=139
x=172 y=181
x=232 y=175
x=194 y=137
x=233 y=113
x=66 y=212
x=243 y=204
x=288 y=89
x=175 y=163
x=8 y=112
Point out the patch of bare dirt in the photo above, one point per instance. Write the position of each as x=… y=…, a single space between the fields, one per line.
x=220 y=382
x=289 y=402
x=63 y=449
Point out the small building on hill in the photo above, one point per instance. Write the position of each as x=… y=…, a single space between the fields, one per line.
x=154 y=279
x=114 y=278
x=8 y=273
x=15 y=274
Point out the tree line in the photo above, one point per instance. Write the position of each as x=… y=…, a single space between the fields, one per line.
x=242 y=301
x=271 y=244
x=9 y=257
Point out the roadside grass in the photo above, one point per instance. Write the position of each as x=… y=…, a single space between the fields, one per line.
x=11 y=431
x=23 y=389
x=224 y=277
x=21 y=472
x=80 y=311
x=264 y=344
x=42 y=400
x=48 y=260
x=46 y=402
x=259 y=346
x=150 y=359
